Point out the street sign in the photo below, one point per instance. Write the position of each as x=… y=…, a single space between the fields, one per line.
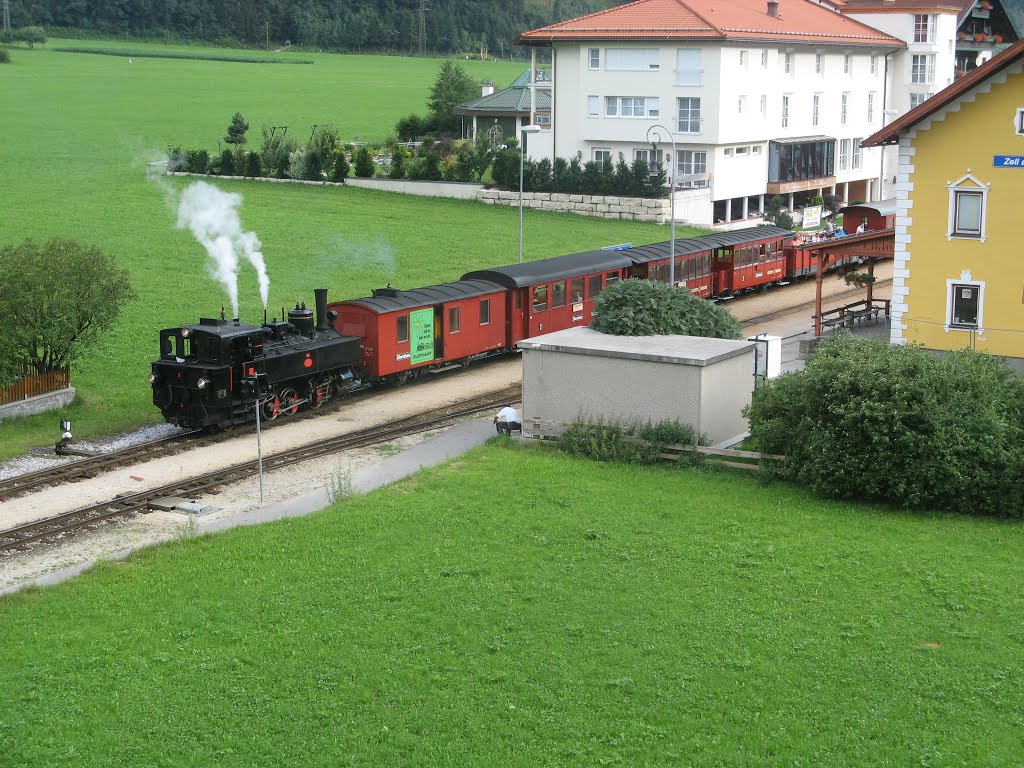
x=1008 y=161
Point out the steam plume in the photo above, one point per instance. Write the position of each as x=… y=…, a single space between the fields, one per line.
x=211 y=215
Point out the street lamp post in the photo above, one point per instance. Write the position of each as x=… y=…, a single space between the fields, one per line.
x=657 y=129
x=523 y=131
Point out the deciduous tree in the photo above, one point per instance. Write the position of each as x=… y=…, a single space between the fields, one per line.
x=57 y=299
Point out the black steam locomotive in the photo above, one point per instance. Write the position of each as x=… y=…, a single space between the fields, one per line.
x=215 y=374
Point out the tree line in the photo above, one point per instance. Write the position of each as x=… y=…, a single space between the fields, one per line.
x=406 y=26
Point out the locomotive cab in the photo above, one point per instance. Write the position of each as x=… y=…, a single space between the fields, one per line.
x=199 y=367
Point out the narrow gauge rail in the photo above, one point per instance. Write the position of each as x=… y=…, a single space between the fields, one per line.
x=30 y=533
x=91 y=466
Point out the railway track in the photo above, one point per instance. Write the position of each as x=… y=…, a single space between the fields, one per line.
x=25 y=535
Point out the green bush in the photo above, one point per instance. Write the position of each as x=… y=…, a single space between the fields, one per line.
x=866 y=420
x=340 y=166
x=275 y=152
x=364 y=164
x=644 y=307
x=397 y=168
x=411 y=128
x=636 y=444
x=253 y=167
x=5 y=56
x=196 y=161
x=226 y=163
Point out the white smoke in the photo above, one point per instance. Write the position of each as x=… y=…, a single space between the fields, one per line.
x=211 y=215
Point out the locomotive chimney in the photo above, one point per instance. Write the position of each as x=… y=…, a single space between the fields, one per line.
x=321 y=309
x=773 y=8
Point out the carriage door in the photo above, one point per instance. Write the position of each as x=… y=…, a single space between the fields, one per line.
x=540 y=302
x=439 y=332
x=722 y=271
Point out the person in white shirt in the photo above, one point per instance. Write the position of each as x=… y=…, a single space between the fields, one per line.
x=507 y=420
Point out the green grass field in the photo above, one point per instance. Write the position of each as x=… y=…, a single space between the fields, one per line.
x=79 y=130
x=598 y=615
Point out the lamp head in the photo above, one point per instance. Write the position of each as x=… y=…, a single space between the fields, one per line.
x=529 y=129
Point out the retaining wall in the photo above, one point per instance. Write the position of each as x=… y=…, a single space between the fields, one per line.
x=38 y=404
x=601 y=206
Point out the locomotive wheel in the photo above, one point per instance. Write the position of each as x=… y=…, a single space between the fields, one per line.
x=320 y=395
x=289 y=401
x=402 y=377
x=271 y=408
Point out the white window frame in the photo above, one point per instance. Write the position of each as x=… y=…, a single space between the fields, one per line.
x=843 y=161
x=727 y=151
x=967 y=184
x=594 y=58
x=593 y=106
x=756 y=149
x=855 y=154
x=819 y=63
x=742 y=151
x=743 y=59
x=917 y=99
x=787 y=63
x=598 y=154
x=816 y=109
x=924 y=27
x=785 y=110
x=844 y=108
x=922 y=69
x=741 y=103
x=626 y=107
x=691 y=162
x=871 y=107
x=764 y=58
x=874 y=64
x=690 y=120
x=632 y=59
x=847 y=64
x=690 y=76
x=764 y=105
x=965 y=281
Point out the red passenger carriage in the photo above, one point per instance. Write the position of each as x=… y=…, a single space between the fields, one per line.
x=554 y=294
x=405 y=332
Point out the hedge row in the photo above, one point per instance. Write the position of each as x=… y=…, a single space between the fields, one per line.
x=192 y=56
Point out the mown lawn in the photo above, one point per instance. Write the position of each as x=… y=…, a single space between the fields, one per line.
x=79 y=130
x=513 y=608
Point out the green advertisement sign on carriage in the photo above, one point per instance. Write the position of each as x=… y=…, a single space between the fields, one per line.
x=421 y=336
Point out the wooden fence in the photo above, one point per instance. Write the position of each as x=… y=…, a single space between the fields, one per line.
x=727 y=457
x=34 y=385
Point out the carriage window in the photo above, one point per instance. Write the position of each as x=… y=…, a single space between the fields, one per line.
x=485 y=311
x=540 y=298
x=595 y=286
x=611 y=277
x=576 y=290
x=558 y=295
x=454 y=319
x=403 y=327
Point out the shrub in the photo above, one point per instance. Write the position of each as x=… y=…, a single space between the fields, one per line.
x=866 y=420
x=275 y=152
x=296 y=163
x=340 y=167
x=5 y=56
x=635 y=444
x=643 y=307
x=253 y=166
x=364 y=164
x=226 y=163
x=175 y=159
x=411 y=127
x=397 y=169
x=312 y=165
x=196 y=161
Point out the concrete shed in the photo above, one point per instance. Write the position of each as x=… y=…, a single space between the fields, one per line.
x=580 y=372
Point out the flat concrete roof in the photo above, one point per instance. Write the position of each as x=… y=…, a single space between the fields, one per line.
x=677 y=350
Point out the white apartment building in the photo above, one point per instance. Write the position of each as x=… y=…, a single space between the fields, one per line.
x=760 y=97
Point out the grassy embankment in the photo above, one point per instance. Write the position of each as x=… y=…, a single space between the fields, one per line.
x=588 y=615
x=79 y=130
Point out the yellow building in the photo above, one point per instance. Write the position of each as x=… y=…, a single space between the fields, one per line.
x=959 y=261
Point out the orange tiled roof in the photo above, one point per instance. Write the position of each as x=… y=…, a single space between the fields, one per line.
x=891 y=133
x=798 y=21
